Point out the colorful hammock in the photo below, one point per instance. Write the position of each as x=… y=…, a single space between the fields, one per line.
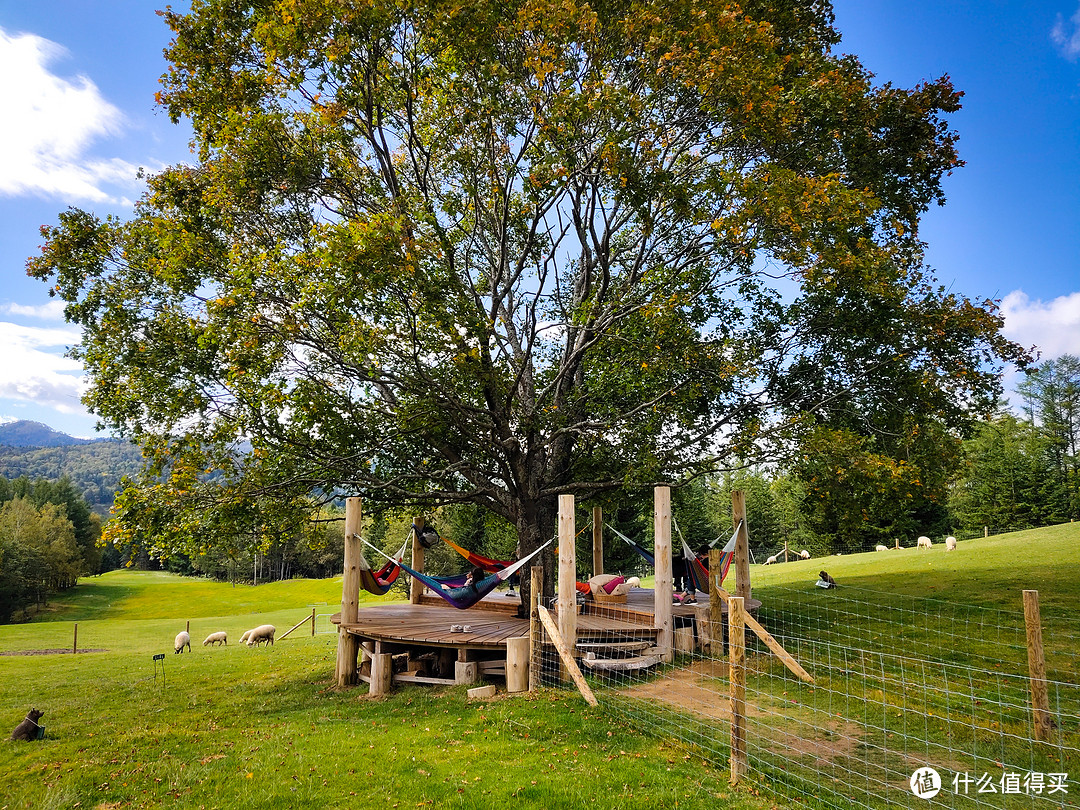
x=697 y=565
x=477 y=560
x=455 y=591
x=381 y=581
x=644 y=552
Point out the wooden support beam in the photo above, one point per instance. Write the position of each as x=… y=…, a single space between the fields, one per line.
x=662 y=587
x=517 y=664
x=742 y=544
x=304 y=620
x=382 y=674
x=567 y=572
x=536 y=640
x=737 y=670
x=766 y=637
x=348 y=644
x=597 y=540
x=1040 y=698
x=416 y=587
x=566 y=655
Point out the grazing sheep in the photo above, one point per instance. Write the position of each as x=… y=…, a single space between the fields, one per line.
x=950 y=543
x=924 y=542
x=804 y=555
x=244 y=638
x=264 y=632
x=215 y=638
x=771 y=559
x=182 y=640
x=880 y=547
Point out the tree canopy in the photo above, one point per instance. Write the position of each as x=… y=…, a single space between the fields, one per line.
x=437 y=252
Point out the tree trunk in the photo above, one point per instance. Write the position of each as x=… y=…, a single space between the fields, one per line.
x=535 y=526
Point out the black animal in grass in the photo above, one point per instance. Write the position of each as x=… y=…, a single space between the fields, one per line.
x=28 y=729
x=829 y=581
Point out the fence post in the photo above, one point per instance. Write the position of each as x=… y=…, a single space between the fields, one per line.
x=716 y=605
x=75 y=640
x=567 y=575
x=737 y=675
x=742 y=544
x=597 y=540
x=313 y=621
x=536 y=588
x=1040 y=699
x=416 y=587
x=348 y=644
x=662 y=582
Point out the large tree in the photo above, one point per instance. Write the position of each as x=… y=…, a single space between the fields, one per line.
x=439 y=252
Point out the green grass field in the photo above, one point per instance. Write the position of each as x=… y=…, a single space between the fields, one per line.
x=239 y=727
x=251 y=728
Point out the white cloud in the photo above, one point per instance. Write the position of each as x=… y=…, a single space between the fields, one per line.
x=52 y=311
x=52 y=121
x=1053 y=327
x=1066 y=35
x=32 y=373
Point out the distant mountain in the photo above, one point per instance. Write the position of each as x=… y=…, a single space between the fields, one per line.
x=25 y=433
x=95 y=466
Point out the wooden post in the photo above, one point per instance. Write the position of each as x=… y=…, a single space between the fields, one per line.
x=466 y=672
x=1040 y=698
x=597 y=540
x=986 y=531
x=188 y=627
x=348 y=644
x=536 y=641
x=716 y=605
x=567 y=573
x=566 y=654
x=382 y=674
x=416 y=587
x=737 y=670
x=75 y=640
x=665 y=638
x=313 y=621
x=742 y=544
x=517 y=663
x=785 y=550
x=897 y=542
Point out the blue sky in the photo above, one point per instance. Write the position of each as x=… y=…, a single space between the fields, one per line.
x=78 y=96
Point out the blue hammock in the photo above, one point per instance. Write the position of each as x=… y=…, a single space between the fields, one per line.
x=455 y=591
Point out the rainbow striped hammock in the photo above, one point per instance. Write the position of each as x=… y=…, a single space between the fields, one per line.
x=381 y=581
x=699 y=563
x=477 y=560
x=455 y=591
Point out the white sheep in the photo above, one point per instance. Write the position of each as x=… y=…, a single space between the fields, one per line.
x=215 y=638
x=924 y=542
x=264 y=632
x=804 y=555
x=183 y=639
x=880 y=547
x=244 y=637
x=950 y=543
x=771 y=559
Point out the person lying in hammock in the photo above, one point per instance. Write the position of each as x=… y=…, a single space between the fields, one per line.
x=474 y=577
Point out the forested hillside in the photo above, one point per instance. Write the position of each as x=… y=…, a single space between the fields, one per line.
x=94 y=467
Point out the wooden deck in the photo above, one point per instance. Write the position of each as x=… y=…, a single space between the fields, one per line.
x=492 y=621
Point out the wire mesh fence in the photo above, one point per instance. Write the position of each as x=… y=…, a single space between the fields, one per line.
x=901 y=685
